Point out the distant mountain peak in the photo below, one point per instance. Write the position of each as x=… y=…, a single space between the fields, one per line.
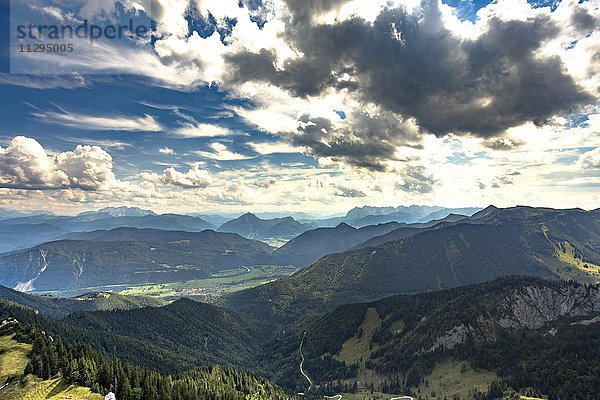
x=120 y=212
x=126 y=211
x=250 y=215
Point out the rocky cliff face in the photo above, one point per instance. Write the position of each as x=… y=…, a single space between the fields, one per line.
x=536 y=306
x=532 y=307
x=36 y=266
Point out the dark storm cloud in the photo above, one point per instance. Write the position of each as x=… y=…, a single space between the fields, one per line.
x=419 y=69
x=304 y=10
x=583 y=21
x=302 y=78
x=367 y=142
x=411 y=65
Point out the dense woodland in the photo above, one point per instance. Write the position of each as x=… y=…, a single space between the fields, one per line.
x=562 y=366
x=261 y=329
x=80 y=364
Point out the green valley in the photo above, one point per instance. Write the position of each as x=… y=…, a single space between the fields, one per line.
x=218 y=284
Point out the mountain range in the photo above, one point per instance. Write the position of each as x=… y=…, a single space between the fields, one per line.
x=19 y=230
x=501 y=332
x=27 y=231
x=128 y=256
x=314 y=244
x=478 y=306
x=368 y=215
x=493 y=243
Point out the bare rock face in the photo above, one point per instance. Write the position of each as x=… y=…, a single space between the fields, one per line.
x=480 y=330
x=532 y=307
x=536 y=306
x=452 y=338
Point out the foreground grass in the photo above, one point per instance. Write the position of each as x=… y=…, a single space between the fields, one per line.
x=54 y=389
x=13 y=360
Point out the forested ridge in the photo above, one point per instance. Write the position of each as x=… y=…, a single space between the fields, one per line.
x=171 y=339
x=79 y=364
x=560 y=359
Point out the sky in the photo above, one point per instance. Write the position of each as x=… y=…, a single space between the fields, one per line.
x=310 y=106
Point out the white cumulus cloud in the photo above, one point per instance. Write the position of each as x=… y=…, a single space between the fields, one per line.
x=25 y=164
x=195 y=177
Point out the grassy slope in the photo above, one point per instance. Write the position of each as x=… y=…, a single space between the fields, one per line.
x=581 y=270
x=13 y=360
x=357 y=350
x=451 y=378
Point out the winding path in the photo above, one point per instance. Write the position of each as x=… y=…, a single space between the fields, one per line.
x=302 y=365
x=337 y=396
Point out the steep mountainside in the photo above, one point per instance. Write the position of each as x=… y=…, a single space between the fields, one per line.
x=128 y=256
x=406 y=335
x=174 y=338
x=518 y=241
x=314 y=244
x=61 y=307
x=39 y=366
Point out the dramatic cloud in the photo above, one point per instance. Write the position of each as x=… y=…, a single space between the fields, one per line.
x=195 y=177
x=411 y=64
x=24 y=164
x=362 y=139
